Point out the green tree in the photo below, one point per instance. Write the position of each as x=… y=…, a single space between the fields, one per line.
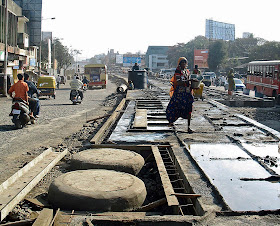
x=187 y=50
x=267 y=51
x=63 y=55
x=217 y=54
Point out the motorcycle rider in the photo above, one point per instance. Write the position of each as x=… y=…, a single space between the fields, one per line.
x=32 y=89
x=76 y=84
x=20 y=89
x=85 y=80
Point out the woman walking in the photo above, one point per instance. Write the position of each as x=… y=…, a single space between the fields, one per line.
x=231 y=84
x=181 y=101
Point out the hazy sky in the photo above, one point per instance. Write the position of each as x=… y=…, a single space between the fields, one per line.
x=94 y=26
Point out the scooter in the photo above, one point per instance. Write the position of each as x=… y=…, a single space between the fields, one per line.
x=75 y=97
x=20 y=113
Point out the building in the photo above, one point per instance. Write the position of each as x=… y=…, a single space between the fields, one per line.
x=156 y=57
x=32 y=9
x=219 y=31
x=20 y=54
x=247 y=35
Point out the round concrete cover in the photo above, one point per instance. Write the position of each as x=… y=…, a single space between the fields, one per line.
x=97 y=190
x=108 y=158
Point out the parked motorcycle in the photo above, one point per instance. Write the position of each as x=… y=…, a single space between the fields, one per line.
x=75 y=97
x=20 y=113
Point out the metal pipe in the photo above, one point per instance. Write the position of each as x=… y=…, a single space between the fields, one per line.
x=122 y=88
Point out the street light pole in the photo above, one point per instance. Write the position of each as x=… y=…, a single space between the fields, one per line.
x=5 y=91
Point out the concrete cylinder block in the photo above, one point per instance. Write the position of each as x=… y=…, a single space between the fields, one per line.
x=108 y=158
x=97 y=190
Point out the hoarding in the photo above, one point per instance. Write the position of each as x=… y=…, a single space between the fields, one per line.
x=219 y=30
x=130 y=61
x=201 y=58
x=119 y=59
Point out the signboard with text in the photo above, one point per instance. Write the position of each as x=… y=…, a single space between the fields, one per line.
x=201 y=58
x=130 y=61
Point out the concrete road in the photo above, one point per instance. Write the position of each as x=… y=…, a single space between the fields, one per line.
x=59 y=118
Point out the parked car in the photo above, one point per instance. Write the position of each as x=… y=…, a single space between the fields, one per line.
x=238 y=85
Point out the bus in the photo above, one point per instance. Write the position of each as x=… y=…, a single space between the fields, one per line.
x=263 y=77
x=97 y=75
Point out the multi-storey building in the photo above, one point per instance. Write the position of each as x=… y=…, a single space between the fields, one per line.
x=21 y=52
x=156 y=57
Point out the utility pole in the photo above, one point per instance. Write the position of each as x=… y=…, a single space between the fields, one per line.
x=5 y=93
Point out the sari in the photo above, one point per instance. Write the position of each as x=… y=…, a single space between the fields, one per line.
x=180 y=104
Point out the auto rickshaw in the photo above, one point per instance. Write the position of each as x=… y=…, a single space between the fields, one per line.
x=46 y=84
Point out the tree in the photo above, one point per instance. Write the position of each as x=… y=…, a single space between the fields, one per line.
x=217 y=54
x=187 y=50
x=62 y=54
x=267 y=51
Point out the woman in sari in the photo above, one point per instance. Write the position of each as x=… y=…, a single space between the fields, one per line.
x=181 y=101
x=231 y=83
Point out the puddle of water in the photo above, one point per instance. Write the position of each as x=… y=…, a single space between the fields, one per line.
x=262 y=150
x=225 y=171
x=204 y=152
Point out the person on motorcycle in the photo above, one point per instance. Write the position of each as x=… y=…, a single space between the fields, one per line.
x=85 y=80
x=76 y=84
x=20 y=90
x=32 y=90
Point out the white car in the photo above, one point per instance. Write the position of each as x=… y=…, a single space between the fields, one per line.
x=238 y=85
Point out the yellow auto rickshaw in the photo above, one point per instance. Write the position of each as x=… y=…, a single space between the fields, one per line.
x=46 y=84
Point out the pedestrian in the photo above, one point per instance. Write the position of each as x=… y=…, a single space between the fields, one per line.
x=196 y=70
x=58 y=80
x=130 y=85
x=135 y=67
x=231 y=84
x=180 y=104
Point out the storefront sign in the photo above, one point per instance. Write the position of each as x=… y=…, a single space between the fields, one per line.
x=2 y=55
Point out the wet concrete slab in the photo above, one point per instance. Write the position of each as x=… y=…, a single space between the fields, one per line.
x=247 y=134
x=225 y=168
x=267 y=153
x=122 y=134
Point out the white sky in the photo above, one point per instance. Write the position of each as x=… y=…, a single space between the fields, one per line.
x=94 y=26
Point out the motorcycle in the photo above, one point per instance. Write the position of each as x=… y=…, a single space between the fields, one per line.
x=75 y=97
x=84 y=87
x=20 y=113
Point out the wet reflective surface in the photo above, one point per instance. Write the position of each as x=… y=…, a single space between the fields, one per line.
x=224 y=165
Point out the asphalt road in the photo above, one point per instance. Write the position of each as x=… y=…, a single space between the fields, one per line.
x=59 y=118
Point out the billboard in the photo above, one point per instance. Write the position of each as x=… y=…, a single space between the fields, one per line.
x=201 y=58
x=130 y=61
x=119 y=59
x=219 y=30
